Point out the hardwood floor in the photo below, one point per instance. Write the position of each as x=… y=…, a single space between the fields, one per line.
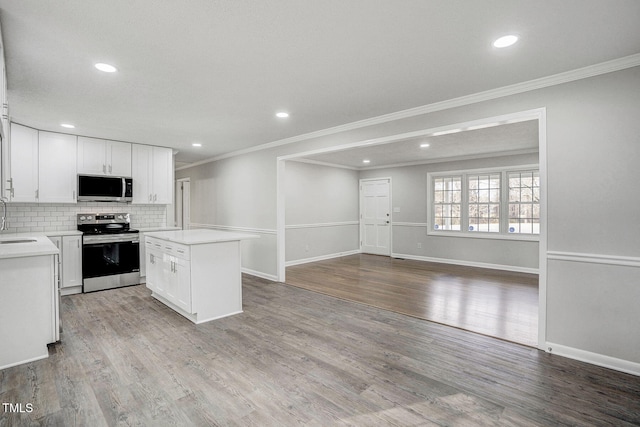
x=295 y=357
x=497 y=303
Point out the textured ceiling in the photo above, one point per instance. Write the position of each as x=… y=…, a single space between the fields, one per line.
x=215 y=72
x=506 y=139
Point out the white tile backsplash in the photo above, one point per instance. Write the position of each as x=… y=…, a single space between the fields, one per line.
x=36 y=217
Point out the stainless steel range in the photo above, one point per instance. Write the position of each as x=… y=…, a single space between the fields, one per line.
x=110 y=251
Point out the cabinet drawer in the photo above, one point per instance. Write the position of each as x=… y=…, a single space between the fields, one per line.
x=176 y=249
x=152 y=243
x=169 y=248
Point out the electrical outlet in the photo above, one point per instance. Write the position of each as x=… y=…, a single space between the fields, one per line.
x=306 y=248
x=419 y=245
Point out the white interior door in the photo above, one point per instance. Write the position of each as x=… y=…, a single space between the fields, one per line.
x=375 y=216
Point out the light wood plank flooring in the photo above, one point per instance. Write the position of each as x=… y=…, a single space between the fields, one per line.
x=295 y=357
x=497 y=303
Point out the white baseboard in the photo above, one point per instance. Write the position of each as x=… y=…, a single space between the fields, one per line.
x=614 y=363
x=468 y=263
x=321 y=258
x=260 y=274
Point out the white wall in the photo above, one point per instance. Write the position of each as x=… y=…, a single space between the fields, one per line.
x=593 y=148
x=321 y=212
x=409 y=195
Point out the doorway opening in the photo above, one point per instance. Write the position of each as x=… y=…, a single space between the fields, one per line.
x=349 y=156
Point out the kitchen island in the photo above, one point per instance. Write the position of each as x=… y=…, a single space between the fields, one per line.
x=197 y=272
x=29 y=310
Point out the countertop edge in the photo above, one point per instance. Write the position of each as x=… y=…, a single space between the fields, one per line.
x=213 y=236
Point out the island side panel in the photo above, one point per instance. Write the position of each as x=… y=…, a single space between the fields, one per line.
x=26 y=309
x=216 y=279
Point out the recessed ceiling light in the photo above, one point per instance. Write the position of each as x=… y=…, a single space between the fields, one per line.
x=505 y=41
x=425 y=145
x=366 y=161
x=107 y=68
x=282 y=114
x=67 y=125
x=196 y=144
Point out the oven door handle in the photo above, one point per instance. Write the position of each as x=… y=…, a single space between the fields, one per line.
x=89 y=240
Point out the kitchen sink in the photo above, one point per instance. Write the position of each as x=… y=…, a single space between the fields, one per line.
x=7 y=241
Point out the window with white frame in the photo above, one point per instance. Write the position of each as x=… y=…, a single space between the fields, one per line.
x=524 y=202
x=495 y=202
x=447 y=197
x=484 y=202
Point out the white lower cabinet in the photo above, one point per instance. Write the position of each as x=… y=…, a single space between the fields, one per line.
x=70 y=263
x=168 y=275
x=178 y=280
x=201 y=280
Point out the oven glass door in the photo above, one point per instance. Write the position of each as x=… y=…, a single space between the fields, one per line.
x=109 y=258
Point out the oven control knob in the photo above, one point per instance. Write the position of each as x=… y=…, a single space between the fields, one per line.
x=82 y=218
x=89 y=217
x=119 y=216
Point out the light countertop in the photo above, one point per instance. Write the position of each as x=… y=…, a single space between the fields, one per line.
x=41 y=233
x=200 y=236
x=35 y=246
x=148 y=230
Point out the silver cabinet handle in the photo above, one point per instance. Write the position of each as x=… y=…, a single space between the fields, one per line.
x=104 y=168
x=110 y=168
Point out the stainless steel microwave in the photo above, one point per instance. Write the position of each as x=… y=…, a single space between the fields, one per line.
x=95 y=188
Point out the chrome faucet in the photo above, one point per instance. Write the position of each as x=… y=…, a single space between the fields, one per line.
x=4 y=215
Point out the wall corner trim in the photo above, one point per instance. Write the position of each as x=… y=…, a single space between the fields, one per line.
x=321 y=258
x=605 y=361
x=512 y=268
x=260 y=274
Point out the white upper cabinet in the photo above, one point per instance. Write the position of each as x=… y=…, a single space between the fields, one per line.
x=103 y=157
x=43 y=166
x=152 y=173
x=22 y=181
x=57 y=168
x=162 y=175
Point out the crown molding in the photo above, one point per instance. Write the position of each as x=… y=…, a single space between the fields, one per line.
x=517 y=88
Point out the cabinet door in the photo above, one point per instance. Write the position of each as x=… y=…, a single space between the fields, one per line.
x=153 y=261
x=57 y=240
x=182 y=274
x=119 y=158
x=162 y=176
x=140 y=172
x=57 y=168
x=91 y=156
x=24 y=164
x=71 y=261
x=179 y=282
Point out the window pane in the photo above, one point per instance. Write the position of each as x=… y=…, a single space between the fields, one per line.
x=524 y=202
x=446 y=199
x=484 y=203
